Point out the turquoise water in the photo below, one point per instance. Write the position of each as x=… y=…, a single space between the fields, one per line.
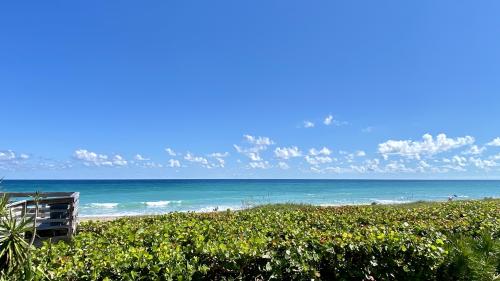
x=136 y=197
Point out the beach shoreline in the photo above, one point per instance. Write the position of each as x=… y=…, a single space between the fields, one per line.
x=105 y=218
x=115 y=217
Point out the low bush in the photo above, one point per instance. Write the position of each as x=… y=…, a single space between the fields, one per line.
x=437 y=241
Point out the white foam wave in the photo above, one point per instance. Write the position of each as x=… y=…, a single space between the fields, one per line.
x=340 y=204
x=162 y=203
x=157 y=203
x=104 y=205
x=388 y=201
x=328 y=205
x=109 y=215
x=217 y=208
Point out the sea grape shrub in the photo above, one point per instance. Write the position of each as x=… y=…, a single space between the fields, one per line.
x=407 y=242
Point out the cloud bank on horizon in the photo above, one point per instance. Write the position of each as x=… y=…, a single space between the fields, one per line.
x=430 y=156
x=436 y=156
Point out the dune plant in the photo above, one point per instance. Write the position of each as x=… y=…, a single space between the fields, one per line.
x=437 y=241
x=13 y=246
x=473 y=258
x=15 y=250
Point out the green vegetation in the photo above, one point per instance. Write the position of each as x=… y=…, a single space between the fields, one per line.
x=436 y=241
x=15 y=249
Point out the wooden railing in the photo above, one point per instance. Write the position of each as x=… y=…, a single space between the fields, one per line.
x=57 y=212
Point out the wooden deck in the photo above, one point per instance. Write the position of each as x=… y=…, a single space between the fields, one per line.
x=57 y=212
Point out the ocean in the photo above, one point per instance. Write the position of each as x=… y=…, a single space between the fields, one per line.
x=140 y=197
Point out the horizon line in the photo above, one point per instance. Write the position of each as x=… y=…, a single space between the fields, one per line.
x=361 y=179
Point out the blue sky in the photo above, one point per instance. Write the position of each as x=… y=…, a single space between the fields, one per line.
x=395 y=89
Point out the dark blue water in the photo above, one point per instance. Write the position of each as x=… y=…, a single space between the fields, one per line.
x=135 y=197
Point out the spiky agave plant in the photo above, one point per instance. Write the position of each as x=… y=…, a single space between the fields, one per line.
x=14 y=249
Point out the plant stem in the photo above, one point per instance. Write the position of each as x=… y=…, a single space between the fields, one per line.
x=34 y=223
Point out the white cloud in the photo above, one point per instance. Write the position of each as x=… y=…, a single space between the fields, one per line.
x=52 y=165
x=459 y=160
x=333 y=169
x=221 y=162
x=259 y=165
x=397 y=167
x=10 y=160
x=258 y=144
x=144 y=162
x=308 y=124
x=287 y=152
x=316 y=170
x=350 y=157
x=328 y=120
x=139 y=157
x=170 y=151
x=252 y=153
x=494 y=142
x=372 y=164
x=456 y=163
x=317 y=157
x=118 y=160
x=283 y=165
x=254 y=156
x=475 y=150
x=90 y=158
x=317 y=160
x=217 y=161
x=483 y=164
x=13 y=161
x=151 y=165
x=219 y=154
x=238 y=148
x=412 y=156
x=323 y=151
x=428 y=147
x=7 y=155
x=260 y=141
x=173 y=163
x=360 y=153
x=196 y=159
x=369 y=165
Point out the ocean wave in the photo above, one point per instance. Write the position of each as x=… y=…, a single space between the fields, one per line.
x=114 y=214
x=209 y=209
x=340 y=204
x=104 y=205
x=153 y=211
x=328 y=205
x=161 y=203
x=388 y=201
